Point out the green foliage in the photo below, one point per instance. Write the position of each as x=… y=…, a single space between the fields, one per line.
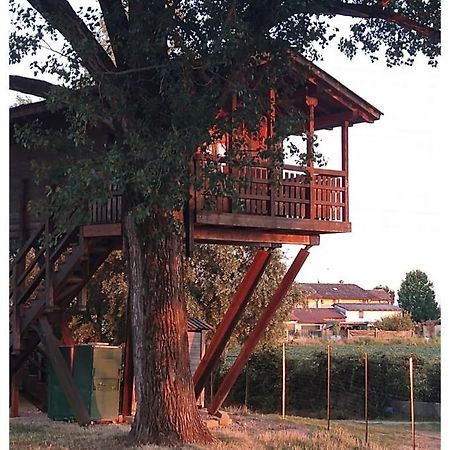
x=395 y=323
x=157 y=84
x=416 y=295
x=213 y=275
x=306 y=379
x=103 y=320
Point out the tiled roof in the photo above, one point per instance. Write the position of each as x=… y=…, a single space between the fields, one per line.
x=316 y=315
x=380 y=294
x=335 y=291
x=198 y=325
x=368 y=307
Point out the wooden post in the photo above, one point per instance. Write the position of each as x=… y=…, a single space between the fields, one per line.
x=411 y=390
x=255 y=335
x=14 y=399
x=283 y=385
x=62 y=372
x=270 y=136
x=345 y=169
x=366 y=395
x=328 y=387
x=49 y=300
x=15 y=325
x=230 y=319
x=311 y=102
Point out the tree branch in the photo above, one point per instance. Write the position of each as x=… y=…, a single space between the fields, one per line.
x=117 y=26
x=31 y=86
x=377 y=12
x=60 y=15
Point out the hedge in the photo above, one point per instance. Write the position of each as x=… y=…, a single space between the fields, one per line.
x=306 y=382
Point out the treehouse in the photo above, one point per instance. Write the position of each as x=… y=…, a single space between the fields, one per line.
x=287 y=204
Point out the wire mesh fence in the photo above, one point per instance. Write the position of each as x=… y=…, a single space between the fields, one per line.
x=364 y=383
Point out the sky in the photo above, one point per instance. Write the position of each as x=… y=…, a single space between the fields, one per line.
x=396 y=179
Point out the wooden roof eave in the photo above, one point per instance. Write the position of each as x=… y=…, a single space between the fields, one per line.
x=359 y=110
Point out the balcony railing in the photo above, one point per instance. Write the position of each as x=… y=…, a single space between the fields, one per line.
x=297 y=193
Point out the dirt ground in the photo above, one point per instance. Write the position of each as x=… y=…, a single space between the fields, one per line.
x=34 y=430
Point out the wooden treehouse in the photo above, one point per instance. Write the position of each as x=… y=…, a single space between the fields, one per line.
x=305 y=202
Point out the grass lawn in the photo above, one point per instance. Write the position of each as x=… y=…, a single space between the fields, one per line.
x=248 y=431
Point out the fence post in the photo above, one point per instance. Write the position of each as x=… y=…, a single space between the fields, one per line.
x=366 y=395
x=328 y=386
x=283 y=385
x=411 y=390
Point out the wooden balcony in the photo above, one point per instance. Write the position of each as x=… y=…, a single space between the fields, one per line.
x=299 y=201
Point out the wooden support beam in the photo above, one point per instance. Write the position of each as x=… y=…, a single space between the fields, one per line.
x=256 y=334
x=15 y=318
x=216 y=235
x=66 y=334
x=62 y=372
x=345 y=167
x=49 y=297
x=101 y=230
x=311 y=103
x=230 y=320
x=14 y=393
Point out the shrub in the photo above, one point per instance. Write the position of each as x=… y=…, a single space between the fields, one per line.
x=306 y=386
x=395 y=323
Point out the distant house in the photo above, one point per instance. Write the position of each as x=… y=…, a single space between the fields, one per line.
x=380 y=295
x=362 y=315
x=312 y=322
x=431 y=328
x=325 y=295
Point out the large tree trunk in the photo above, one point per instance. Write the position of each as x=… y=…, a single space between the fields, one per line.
x=166 y=408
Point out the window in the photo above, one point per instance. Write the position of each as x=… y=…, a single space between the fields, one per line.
x=361 y=314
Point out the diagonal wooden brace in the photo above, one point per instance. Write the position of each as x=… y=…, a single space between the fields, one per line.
x=230 y=319
x=258 y=331
x=62 y=371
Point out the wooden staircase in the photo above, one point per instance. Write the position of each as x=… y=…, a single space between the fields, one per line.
x=46 y=275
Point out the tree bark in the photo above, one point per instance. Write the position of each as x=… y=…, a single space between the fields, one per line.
x=166 y=411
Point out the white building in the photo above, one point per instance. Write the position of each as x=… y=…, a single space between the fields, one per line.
x=367 y=313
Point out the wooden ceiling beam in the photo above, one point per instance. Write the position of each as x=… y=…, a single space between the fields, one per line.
x=215 y=235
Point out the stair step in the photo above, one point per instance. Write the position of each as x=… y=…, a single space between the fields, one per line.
x=74 y=279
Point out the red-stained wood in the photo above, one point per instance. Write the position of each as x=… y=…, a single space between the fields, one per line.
x=242 y=236
x=345 y=169
x=257 y=332
x=66 y=335
x=230 y=320
x=99 y=230
x=311 y=102
x=14 y=396
x=268 y=223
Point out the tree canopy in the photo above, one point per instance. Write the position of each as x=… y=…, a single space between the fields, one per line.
x=159 y=78
x=416 y=295
x=155 y=74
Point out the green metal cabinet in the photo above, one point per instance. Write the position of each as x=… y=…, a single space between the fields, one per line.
x=97 y=373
